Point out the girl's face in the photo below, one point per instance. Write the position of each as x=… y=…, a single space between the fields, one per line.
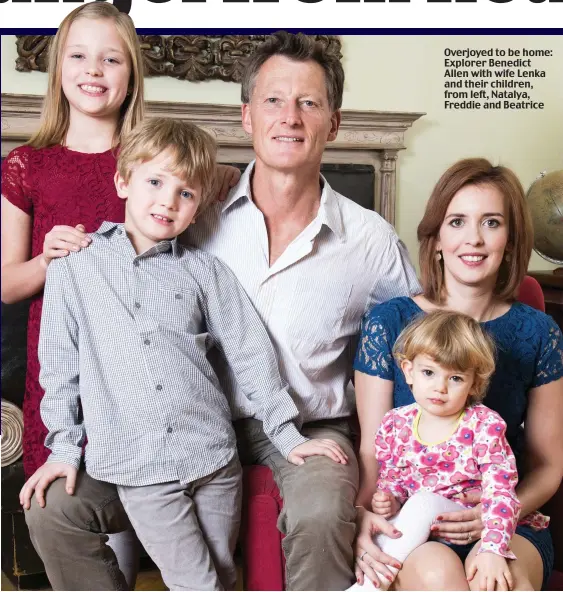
x=438 y=390
x=474 y=235
x=95 y=69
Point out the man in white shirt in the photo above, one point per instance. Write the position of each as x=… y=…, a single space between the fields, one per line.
x=312 y=262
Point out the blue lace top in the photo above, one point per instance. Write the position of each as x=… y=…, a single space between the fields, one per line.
x=529 y=354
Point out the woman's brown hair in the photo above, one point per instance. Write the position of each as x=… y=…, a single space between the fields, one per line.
x=55 y=117
x=476 y=171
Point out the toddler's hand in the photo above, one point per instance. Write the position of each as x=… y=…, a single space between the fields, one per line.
x=491 y=570
x=384 y=504
x=317 y=447
x=42 y=478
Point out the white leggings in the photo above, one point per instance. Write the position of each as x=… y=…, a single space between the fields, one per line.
x=414 y=520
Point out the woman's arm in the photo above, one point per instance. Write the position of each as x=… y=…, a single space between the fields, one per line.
x=374 y=398
x=21 y=277
x=544 y=446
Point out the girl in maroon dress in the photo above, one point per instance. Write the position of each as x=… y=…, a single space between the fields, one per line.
x=60 y=185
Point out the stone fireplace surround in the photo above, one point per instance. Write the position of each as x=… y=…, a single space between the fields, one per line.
x=372 y=138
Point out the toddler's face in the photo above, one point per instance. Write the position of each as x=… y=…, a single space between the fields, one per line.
x=438 y=390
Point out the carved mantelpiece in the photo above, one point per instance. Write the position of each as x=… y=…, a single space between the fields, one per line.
x=187 y=57
x=365 y=137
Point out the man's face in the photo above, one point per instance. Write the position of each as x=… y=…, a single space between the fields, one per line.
x=289 y=116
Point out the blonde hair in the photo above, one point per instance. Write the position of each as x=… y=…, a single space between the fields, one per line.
x=453 y=340
x=193 y=151
x=55 y=116
x=480 y=172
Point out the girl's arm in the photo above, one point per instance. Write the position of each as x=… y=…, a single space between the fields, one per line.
x=21 y=277
x=544 y=446
x=374 y=398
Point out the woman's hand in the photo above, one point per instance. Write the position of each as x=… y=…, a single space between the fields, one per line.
x=460 y=528
x=226 y=177
x=370 y=559
x=61 y=240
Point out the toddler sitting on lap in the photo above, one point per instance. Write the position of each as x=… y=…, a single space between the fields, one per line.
x=445 y=444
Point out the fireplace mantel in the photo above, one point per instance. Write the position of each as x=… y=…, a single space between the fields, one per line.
x=365 y=137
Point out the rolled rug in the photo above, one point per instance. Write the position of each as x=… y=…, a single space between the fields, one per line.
x=12 y=433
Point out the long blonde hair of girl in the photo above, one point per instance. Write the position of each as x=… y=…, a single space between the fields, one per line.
x=55 y=117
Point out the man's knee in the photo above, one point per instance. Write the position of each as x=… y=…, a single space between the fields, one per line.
x=40 y=519
x=94 y=506
x=322 y=516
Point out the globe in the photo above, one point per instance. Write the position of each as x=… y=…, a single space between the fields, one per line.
x=545 y=200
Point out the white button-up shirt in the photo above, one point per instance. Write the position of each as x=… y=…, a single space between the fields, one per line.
x=313 y=297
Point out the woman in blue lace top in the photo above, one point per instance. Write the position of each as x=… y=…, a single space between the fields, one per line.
x=475 y=245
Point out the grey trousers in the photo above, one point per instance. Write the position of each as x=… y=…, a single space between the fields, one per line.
x=70 y=533
x=190 y=532
x=318 y=516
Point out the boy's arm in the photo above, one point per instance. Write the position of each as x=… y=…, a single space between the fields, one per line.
x=59 y=375
x=237 y=330
x=500 y=506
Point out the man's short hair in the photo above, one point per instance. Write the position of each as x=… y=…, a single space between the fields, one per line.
x=193 y=151
x=300 y=48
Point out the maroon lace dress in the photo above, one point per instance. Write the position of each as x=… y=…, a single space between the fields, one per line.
x=54 y=186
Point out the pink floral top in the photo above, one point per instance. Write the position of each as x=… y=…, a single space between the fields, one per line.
x=475 y=456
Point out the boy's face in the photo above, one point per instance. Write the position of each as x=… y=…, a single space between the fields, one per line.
x=160 y=205
x=438 y=390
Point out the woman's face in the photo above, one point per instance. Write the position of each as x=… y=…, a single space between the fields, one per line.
x=474 y=235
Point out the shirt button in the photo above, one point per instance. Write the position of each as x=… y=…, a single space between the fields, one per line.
x=169 y=430
x=137 y=305
x=119 y=231
x=158 y=387
x=136 y=263
x=178 y=296
x=147 y=341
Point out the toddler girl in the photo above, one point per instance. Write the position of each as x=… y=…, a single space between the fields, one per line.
x=445 y=444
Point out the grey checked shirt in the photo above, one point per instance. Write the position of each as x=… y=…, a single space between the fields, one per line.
x=123 y=351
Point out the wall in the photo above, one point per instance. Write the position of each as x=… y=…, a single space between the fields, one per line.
x=406 y=73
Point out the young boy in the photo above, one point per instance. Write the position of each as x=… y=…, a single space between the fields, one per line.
x=127 y=324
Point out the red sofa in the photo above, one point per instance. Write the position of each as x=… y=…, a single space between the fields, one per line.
x=263 y=560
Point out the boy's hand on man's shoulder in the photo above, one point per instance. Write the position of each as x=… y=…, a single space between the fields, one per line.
x=42 y=478
x=317 y=447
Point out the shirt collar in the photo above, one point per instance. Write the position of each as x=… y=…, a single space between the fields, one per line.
x=329 y=212
x=241 y=189
x=115 y=231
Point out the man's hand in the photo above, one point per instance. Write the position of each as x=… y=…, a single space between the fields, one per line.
x=491 y=572
x=384 y=504
x=226 y=177
x=317 y=447
x=42 y=478
x=369 y=557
